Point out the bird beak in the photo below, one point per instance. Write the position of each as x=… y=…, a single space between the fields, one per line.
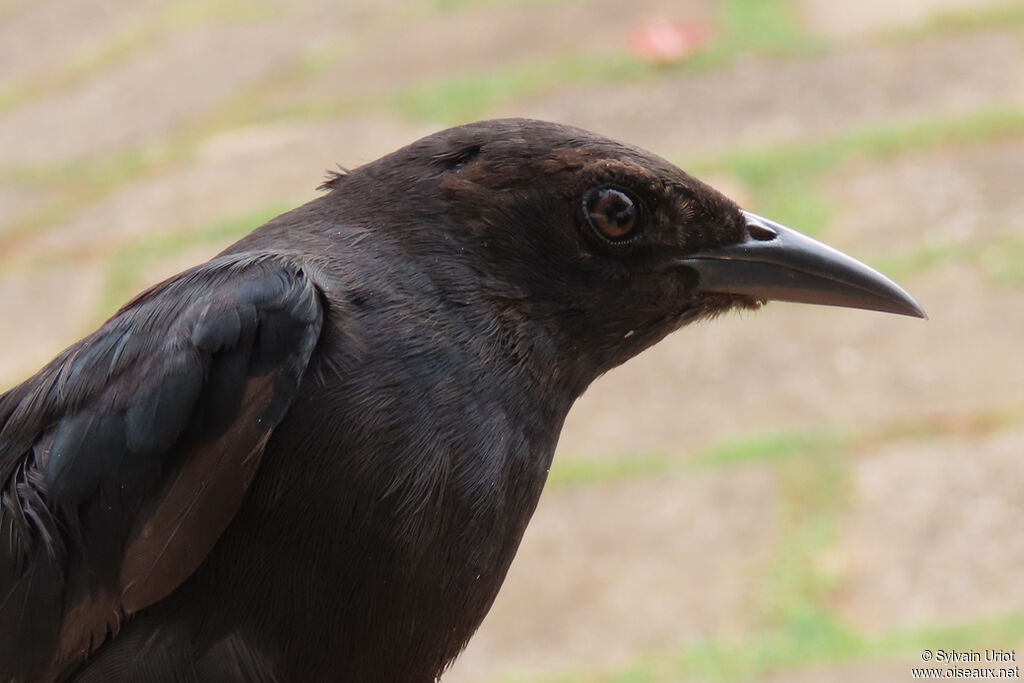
x=778 y=263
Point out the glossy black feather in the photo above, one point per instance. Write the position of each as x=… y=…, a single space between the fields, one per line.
x=90 y=444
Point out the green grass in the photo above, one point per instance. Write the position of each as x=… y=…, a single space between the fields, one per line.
x=824 y=642
x=125 y=275
x=812 y=493
x=566 y=473
x=795 y=201
x=1003 y=261
x=806 y=160
x=143 y=36
x=78 y=69
x=998 y=257
x=743 y=27
x=777 y=448
x=762 y=26
x=82 y=183
x=191 y=13
x=320 y=58
x=797 y=626
x=449 y=5
x=1006 y=16
x=772 y=446
x=471 y=95
x=783 y=179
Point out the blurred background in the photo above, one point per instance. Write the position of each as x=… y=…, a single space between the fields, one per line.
x=794 y=495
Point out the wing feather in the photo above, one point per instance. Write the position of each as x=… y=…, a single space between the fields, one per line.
x=122 y=461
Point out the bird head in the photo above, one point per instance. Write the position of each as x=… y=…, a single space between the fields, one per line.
x=607 y=245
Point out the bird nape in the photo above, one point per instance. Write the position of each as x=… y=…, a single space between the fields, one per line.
x=312 y=458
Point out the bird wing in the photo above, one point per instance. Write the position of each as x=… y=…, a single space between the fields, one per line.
x=123 y=460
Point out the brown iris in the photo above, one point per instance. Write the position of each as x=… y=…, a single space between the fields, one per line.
x=612 y=213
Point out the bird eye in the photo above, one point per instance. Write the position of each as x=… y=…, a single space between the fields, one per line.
x=612 y=213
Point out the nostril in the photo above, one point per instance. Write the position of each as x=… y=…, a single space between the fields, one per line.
x=761 y=233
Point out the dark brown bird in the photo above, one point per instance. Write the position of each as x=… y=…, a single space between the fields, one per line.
x=313 y=457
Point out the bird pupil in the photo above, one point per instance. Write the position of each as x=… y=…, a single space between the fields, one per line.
x=619 y=211
x=612 y=212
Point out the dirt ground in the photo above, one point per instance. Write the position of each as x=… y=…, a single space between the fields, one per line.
x=848 y=470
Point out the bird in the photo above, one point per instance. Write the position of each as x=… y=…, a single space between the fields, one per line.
x=313 y=457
